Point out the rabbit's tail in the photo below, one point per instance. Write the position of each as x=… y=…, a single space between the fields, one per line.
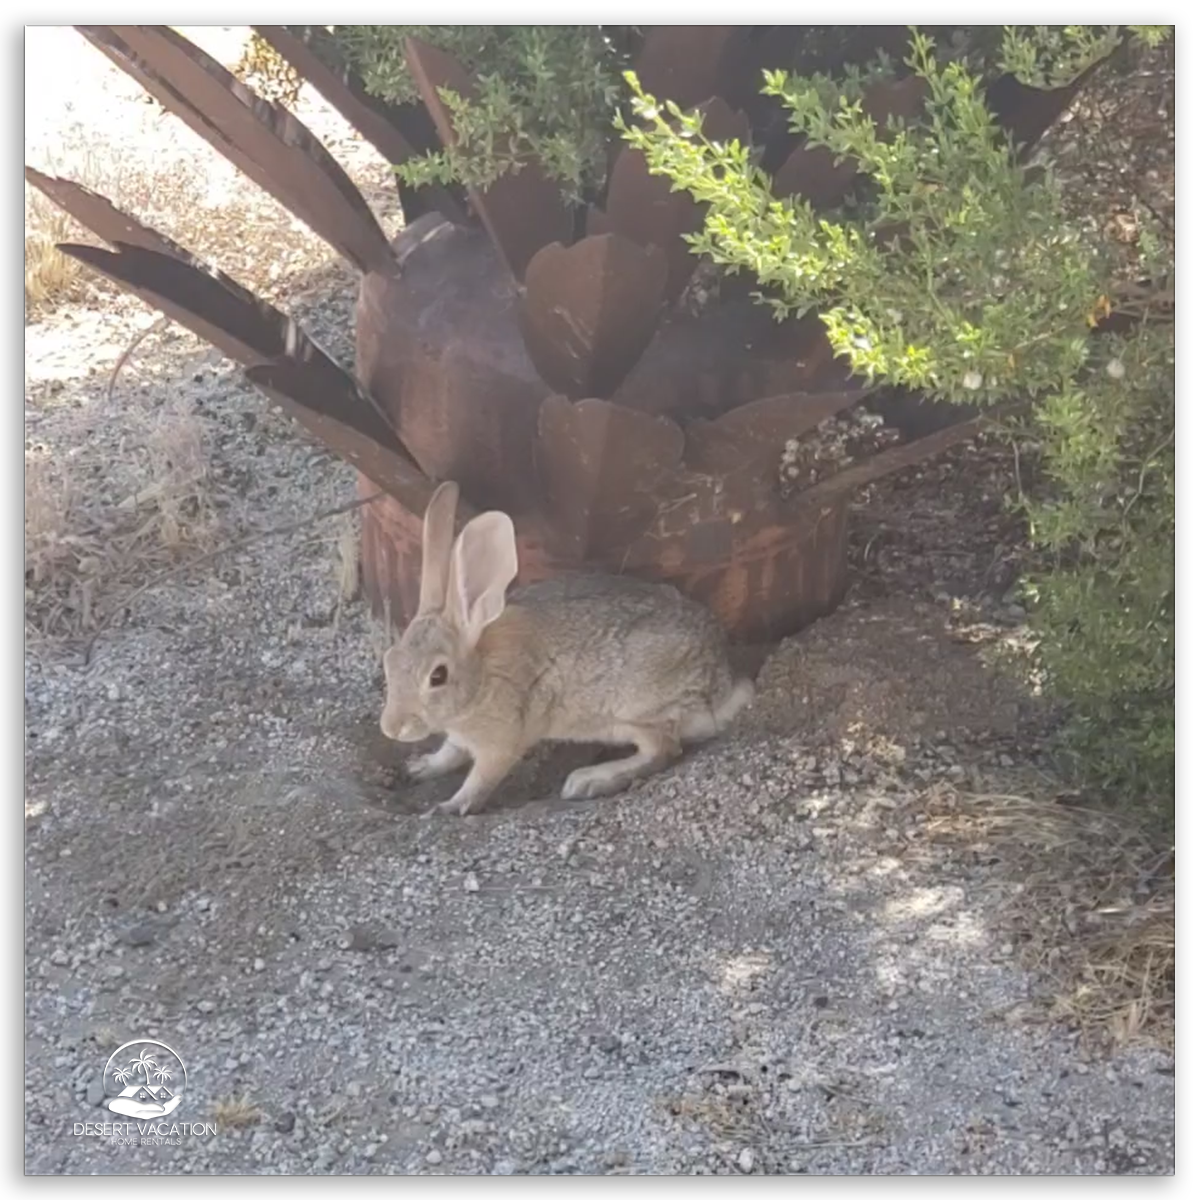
x=711 y=721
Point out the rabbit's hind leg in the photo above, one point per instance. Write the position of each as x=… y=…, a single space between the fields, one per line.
x=657 y=748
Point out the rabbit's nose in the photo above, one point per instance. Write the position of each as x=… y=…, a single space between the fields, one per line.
x=400 y=727
x=392 y=725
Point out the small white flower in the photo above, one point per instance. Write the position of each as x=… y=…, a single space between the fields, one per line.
x=972 y=381
x=1115 y=369
x=792 y=447
x=894 y=314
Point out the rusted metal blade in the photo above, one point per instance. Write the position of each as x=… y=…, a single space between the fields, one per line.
x=814 y=173
x=686 y=63
x=589 y=310
x=756 y=49
x=838 y=486
x=643 y=208
x=266 y=142
x=730 y=355
x=522 y=212
x=750 y=438
x=313 y=400
x=606 y=470
x=102 y=217
x=901 y=98
x=439 y=347
x=397 y=131
x=251 y=331
x=1027 y=112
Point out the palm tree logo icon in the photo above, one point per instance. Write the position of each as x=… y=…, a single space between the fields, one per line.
x=144 y=1079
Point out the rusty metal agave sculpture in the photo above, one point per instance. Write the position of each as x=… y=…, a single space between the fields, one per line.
x=543 y=355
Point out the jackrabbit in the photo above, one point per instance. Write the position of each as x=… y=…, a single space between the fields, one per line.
x=576 y=658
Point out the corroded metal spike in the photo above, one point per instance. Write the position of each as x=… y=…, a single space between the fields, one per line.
x=103 y=218
x=319 y=402
x=887 y=462
x=397 y=131
x=606 y=469
x=522 y=211
x=265 y=141
x=686 y=63
x=589 y=310
x=248 y=329
x=750 y=438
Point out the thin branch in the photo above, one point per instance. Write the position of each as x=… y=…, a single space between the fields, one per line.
x=161 y=323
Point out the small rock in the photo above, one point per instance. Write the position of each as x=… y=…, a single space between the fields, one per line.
x=141 y=934
x=259 y=965
x=368 y=937
x=470 y=883
x=434 y=1158
x=745 y=1160
x=489 y=1101
x=286 y=1123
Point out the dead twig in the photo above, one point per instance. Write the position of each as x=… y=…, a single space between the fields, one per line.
x=127 y=353
x=239 y=544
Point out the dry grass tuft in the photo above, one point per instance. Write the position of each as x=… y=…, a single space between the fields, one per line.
x=82 y=551
x=50 y=276
x=236 y=1112
x=1094 y=909
x=179 y=495
x=349 y=576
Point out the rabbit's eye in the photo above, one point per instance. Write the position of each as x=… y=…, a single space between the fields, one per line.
x=438 y=675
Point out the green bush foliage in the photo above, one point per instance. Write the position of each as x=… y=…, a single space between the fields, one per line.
x=957 y=271
x=544 y=91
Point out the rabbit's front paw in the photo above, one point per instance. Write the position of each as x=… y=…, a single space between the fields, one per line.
x=446 y=758
x=589 y=782
x=457 y=806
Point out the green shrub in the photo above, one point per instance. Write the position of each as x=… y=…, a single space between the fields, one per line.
x=957 y=271
x=1104 y=594
x=545 y=91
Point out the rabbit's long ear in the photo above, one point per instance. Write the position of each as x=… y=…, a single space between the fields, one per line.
x=483 y=565
x=436 y=542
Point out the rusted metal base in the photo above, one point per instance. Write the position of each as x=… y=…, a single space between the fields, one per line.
x=629 y=485
x=795 y=574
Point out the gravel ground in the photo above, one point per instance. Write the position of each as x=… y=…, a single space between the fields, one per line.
x=758 y=962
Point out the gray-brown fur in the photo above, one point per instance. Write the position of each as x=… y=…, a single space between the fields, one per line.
x=585 y=658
